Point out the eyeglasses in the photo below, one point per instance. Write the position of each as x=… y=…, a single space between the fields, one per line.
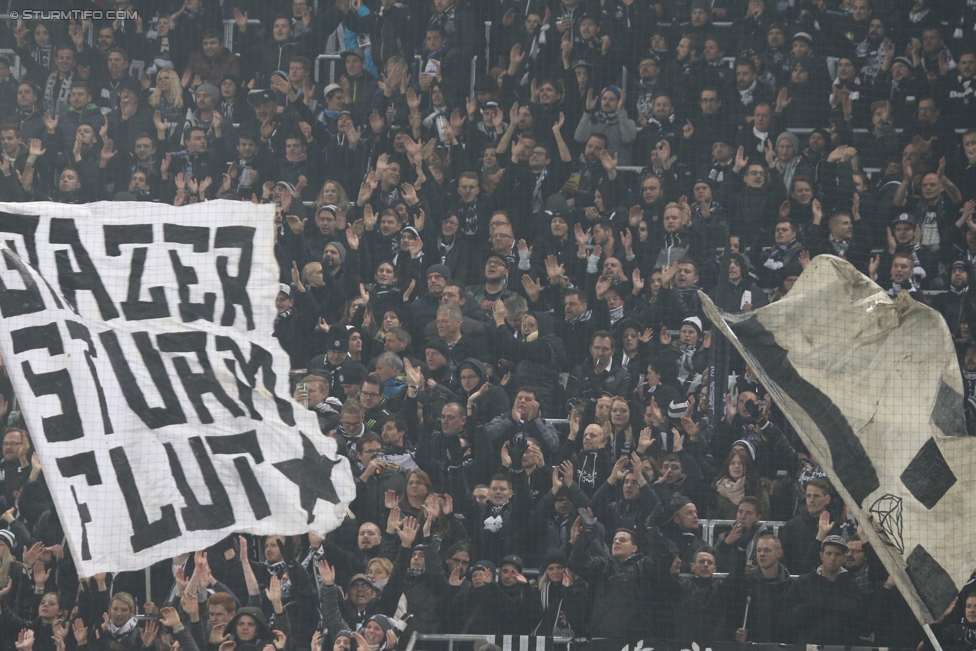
x=369 y=394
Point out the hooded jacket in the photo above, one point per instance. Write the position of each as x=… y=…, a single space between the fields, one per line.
x=496 y=401
x=729 y=297
x=423 y=591
x=765 y=623
x=262 y=635
x=591 y=468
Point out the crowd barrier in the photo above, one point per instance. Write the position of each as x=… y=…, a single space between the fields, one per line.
x=538 y=643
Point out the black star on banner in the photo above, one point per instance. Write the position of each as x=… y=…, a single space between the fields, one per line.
x=313 y=476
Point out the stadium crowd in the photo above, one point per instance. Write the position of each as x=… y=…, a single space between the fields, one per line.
x=466 y=258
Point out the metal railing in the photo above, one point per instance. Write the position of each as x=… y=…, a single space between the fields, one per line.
x=15 y=68
x=506 y=642
x=229 y=31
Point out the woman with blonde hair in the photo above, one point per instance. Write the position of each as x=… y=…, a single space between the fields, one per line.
x=167 y=100
x=379 y=570
x=333 y=194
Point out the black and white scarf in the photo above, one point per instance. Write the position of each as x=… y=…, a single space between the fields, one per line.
x=118 y=632
x=493 y=518
x=537 y=198
x=43 y=55
x=56 y=103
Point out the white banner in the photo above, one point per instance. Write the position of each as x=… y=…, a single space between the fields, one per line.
x=138 y=340
x=872 y=386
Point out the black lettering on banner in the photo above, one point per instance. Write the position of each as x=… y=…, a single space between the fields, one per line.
x=235 y=287
x=197 y=384
x=261 y=360
x=14 y=302
x=26 y=227
x=145 y=534
x=153 y=417
x=198 y=516
x=199 y=237
x=79 y=331
x=67 y=425
x=82 y=464
x=245 y=443
x=63 y=231
x=133 y=308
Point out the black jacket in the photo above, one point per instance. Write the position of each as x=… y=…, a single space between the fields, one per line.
x=765 y=623
x=818 y=611
x=621 y=589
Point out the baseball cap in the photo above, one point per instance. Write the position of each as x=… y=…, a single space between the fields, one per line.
x=834 y=540
x=512 y=559
x=360 y=577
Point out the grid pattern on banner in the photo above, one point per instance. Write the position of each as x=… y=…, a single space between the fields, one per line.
x=164 y=427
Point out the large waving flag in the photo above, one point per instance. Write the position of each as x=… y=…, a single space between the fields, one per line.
x=872 y=386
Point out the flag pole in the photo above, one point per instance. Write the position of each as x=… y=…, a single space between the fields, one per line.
x=148 y=571
x=931 y=636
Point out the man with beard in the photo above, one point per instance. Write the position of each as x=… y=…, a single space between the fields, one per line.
x=341 y=266
x=396 y=447
x=871 y=49
x=611 y=120
x=749 y=91
x=953 y=304
x=660 y=126
x=594 y=167
x=15 y=451
x=649 y=85
x=496 y=282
